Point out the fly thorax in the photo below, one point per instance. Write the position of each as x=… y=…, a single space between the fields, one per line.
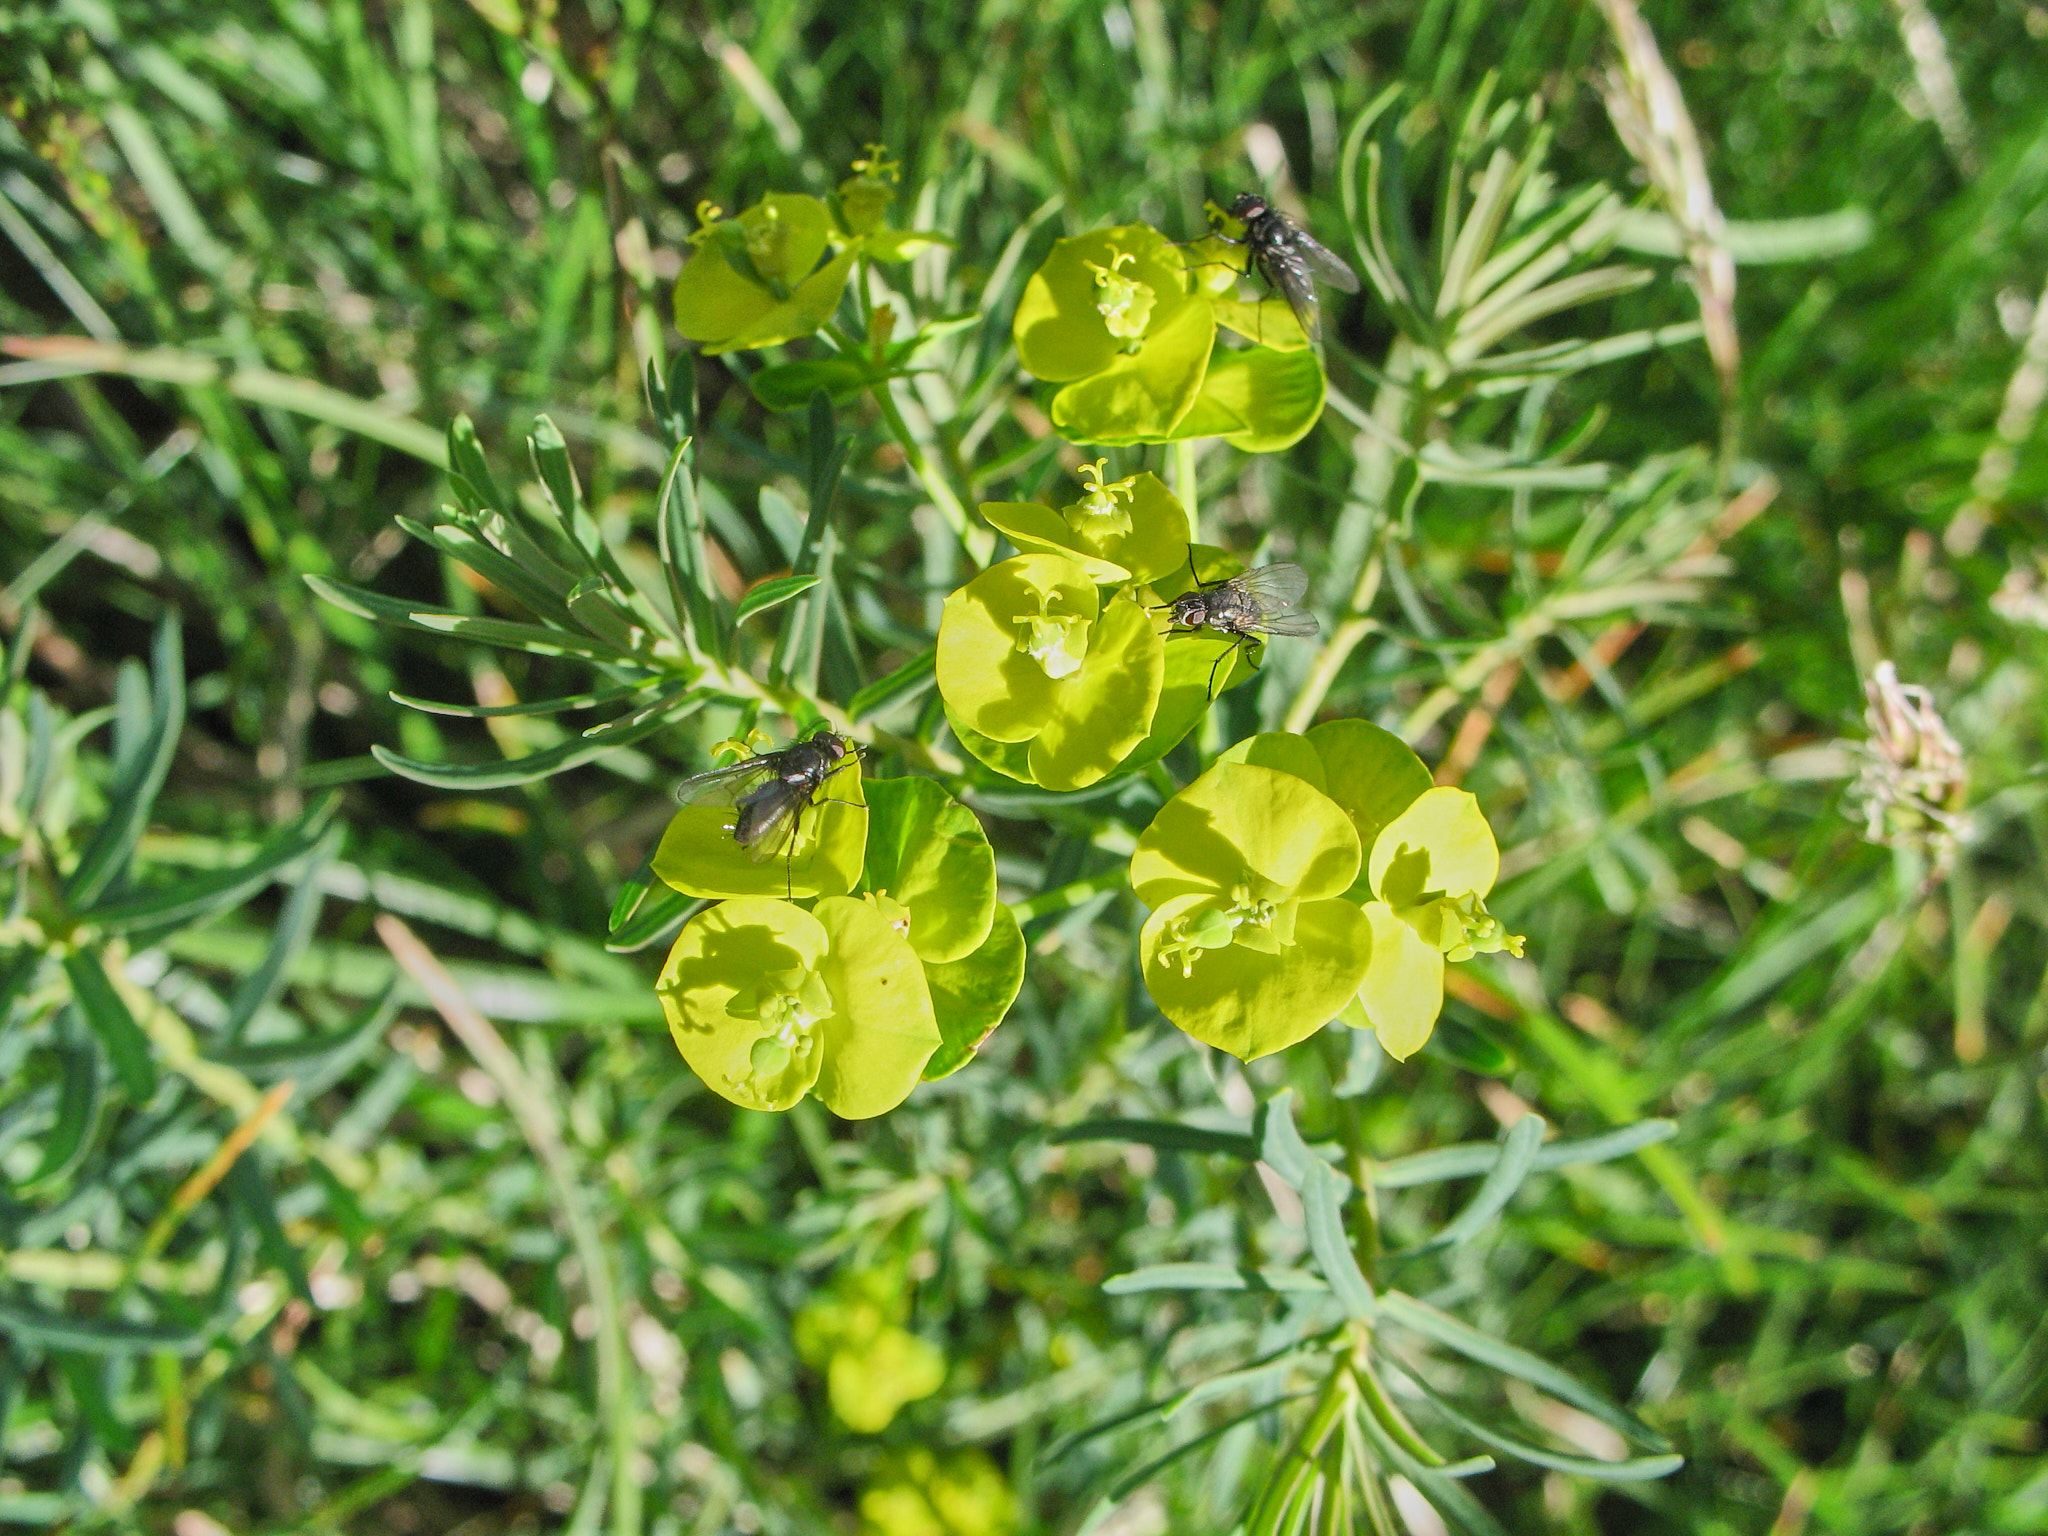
x=1228 y=610
x=1102 y=509
x=1124 y=303
x=1058 y=642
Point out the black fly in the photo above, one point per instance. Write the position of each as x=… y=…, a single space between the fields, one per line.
x=771 y=791
x=1248 y=606
x=1289 y=258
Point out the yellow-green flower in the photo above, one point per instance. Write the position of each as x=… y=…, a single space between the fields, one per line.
x=768 y=1002
x=1031 y=654
x=1121 y=531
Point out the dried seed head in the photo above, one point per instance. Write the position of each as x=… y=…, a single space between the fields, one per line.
x=1910 y=790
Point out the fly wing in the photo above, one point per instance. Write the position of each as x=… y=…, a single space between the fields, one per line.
x=1276 y=592
x=1280 y=585
x=1288 y=275
x=767 y=818
x=1325 y=263
x=724 y=786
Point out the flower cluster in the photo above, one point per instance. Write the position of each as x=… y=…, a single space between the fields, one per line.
x=895 y=972
x=1310 y=878
x=1055 y=665
x=853 y=1331
x=755 y=280
x=1126 y=322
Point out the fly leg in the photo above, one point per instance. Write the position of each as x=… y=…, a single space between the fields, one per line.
x=1230 y=655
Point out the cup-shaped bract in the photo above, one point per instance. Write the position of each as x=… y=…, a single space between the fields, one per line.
x=1431 y=859
x=1250 y=946
x=821 y=856
x=768 y=1002
x=751 y=283
x=1418 y=894
x=1110 y=314
x=926 y=851
x=1128 y=530
x=1029 y=652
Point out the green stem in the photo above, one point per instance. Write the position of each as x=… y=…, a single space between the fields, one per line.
x=979 y=542
x=1306 y=1447
x=1181 y=456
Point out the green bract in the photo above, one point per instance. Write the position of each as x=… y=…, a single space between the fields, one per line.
x=928 y=857
x=768 y=1002
x=1130 y=530
x=1030 y=652
x=1259 y=399
x=1430 y=870
x=1109 y=314
x=1250 y=946
x=751 y=283
x=1245 y=951
x=699 y=856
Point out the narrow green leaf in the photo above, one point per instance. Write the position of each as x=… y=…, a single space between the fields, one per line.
x=294 y=927
x=1211 y=1277
x=215 y=890
x=1323 y=1193
x=133 y=794
x=466 y=458
x=572 y=753
x=1144 y=1474
x=44 y=1329
x=1637 y=1469
x=770 y=594
x=1165 y=1135
x=1467 y=1159
x=1420 y=1317
x=596 y=699
x=1517 y=1157
x=248 y=1191
x=1439 y=1485
x=533 y=638
x=79 y=1098
x=1280 y=1145
x=679 y=523
x=558 y=478
x=316 y=1061
x=103 y=1008
x=502 y=572
x=907 y=682
x=656 y=918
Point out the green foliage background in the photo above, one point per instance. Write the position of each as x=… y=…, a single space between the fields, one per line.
x=307 y=236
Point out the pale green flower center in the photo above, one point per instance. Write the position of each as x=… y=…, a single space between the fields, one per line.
x=1124 y=303
x=1459 y=927
x=1103 y=509
x=787 y=1005
x=767 y=241
x=1058 y=642
x=1254 y=921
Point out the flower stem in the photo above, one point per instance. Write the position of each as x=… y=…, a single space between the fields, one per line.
x=977 y=541
x=1185 y=486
